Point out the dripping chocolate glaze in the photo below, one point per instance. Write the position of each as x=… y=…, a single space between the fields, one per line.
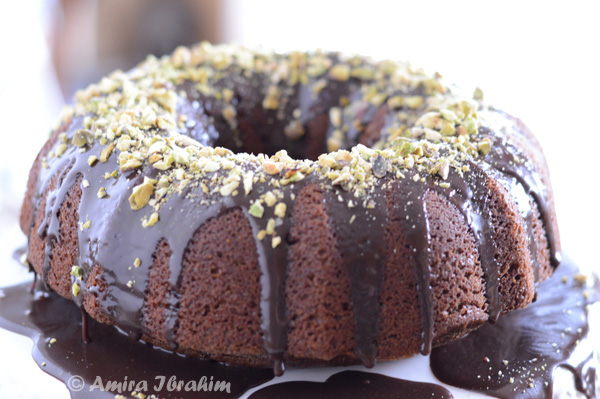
x=528 y=345
x=361 y=242
x=354 y=385
x=117 y=236
x=112 y=356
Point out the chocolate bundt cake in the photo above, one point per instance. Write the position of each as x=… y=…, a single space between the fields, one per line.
x=312 y=208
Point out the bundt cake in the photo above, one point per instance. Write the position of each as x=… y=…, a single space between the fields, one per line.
x=313 y=208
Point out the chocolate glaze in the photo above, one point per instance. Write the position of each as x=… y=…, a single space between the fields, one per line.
x=534 y=342
x=112 y=356
x=354 y=385
x=361 y=244
x=117 y=236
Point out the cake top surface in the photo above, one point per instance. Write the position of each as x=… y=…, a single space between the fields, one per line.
x=141 y=115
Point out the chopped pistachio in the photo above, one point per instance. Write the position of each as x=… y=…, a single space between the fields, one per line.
x=271 y=101
x=340 y=72
x=270 y=199
x=229 y=114
x=137 y=262
x=102 y=193
x=294 y=130
x=76 y=271
x=272 y=168
x=256 y=209
x=448 y=115
x=166 y=122
x=151 y=221
x=485 y=146
x=248 y=182
x=82 y=137
x=129 y=165
x=448 y=130
x=395 y=102
x=165 y=163
x=92 y=159
x=105 y=154
x=470 y=124
x=444 y=169
x=229 y=188
x=275 y=241
x=75 y=289
x=141 y=194
x=335 y=116
x=270 y=227
x=60 y=149
x=280 y=210
x=432 y=135
x=110 y=175
x=413 y=102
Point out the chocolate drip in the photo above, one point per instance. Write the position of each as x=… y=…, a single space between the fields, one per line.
x=112 y=356
x=470 y=195
x=507 y=159
x=409 y=197
x=34 y=282
x=517 y=357
x=354 y=385
x=525 y=204
x=361 y=244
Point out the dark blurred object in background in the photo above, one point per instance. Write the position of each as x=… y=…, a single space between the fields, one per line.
x=91 y=38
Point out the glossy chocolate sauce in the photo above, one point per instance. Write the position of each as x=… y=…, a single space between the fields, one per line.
x=111 y=355
x=117 y=237
x=354 y=385
x=516 y=358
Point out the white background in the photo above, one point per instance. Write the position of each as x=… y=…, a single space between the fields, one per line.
x=537 y=60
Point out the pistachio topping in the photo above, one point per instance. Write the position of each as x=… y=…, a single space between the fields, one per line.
x=135 y=120
x=76 y=271
x=106 y=152
x=75 y=289
x=82 y=137
x=151 y=221
x=280 y=210
x=141 y=194
x=256 y=210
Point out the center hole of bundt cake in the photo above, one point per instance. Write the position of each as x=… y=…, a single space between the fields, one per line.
x=303 y=133
x=300 y=140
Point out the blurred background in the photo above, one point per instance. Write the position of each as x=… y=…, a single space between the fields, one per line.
x=536 y=60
